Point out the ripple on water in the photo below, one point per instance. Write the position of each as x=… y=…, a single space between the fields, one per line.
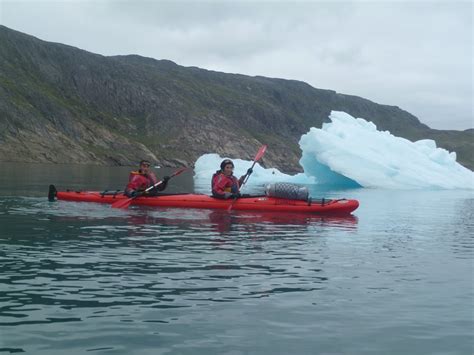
x=85 y=277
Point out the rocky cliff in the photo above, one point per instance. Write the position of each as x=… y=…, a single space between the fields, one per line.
x=61 y=104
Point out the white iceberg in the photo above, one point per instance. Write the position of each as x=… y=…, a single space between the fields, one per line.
x=354 y=151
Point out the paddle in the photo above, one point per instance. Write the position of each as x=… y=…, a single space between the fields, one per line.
x=258 y=156
x=125 y=203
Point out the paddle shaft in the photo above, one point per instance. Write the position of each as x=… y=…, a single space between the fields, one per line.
x=259 y=154
x=248 y=175
x=177 y=172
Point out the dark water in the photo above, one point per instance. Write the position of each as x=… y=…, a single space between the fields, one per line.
x=396 y=278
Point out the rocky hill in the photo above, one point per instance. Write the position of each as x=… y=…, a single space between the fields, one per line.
x=61 y=104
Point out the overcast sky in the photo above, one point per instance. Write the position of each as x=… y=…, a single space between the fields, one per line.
x=413 y=54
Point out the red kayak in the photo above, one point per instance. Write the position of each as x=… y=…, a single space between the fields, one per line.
x=251 y=203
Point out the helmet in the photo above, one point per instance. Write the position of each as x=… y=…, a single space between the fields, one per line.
x=226 y=162
x=144 y=161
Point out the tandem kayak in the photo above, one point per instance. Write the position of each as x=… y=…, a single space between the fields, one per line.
x=246 y=203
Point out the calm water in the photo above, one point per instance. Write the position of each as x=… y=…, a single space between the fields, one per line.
x=396 y=278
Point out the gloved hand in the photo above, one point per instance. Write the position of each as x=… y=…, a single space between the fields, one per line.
x=249 y=171
x=136 y=194
x=227 y=195
x=165 y=179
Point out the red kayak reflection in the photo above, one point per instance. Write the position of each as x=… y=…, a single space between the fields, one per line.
x=220 y=221
x=223 y=221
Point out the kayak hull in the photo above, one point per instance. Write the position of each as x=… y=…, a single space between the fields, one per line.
x=254 y=203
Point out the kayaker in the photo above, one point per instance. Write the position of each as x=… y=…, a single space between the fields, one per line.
x=142 y=179
x=224 y=184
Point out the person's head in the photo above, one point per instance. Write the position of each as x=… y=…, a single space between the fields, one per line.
x=227 y=167
x=145 y=166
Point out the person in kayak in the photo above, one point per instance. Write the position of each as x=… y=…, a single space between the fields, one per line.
x=224 y=184
x=142 y=179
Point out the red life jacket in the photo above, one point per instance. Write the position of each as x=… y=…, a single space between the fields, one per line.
x=222 y=183
x=137 y=181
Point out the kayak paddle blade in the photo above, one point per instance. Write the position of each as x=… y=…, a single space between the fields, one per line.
x=260 y=153
x=122 y=203
x=179 y=171
x=231 y=205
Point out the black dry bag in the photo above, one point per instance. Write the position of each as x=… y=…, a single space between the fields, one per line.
x=287 y=191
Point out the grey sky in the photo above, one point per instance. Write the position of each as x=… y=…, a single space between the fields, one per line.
x=416 y=55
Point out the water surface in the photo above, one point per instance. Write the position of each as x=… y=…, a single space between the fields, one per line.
x=79 y=278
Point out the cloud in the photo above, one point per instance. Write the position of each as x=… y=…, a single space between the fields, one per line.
x=416 y=55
